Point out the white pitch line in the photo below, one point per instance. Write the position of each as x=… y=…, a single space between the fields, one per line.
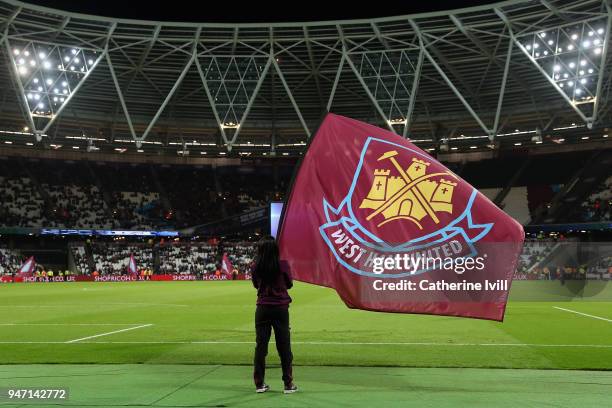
x=584 y=314
x=320 y=343
x=108 y=333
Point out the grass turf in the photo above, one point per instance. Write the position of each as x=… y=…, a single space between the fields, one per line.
x=228 y=386
x=212 y=323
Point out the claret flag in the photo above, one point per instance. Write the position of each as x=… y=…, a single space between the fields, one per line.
x=226 y=265
x=132 y=268
x=27 y=268
x=393 y=230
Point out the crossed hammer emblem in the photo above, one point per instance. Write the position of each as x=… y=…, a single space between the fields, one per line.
x=422 y=194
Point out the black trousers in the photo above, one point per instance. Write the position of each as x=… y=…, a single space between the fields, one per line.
x=266 y=318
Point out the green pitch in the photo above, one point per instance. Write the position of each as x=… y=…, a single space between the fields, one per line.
x=212 y=323
x=196 y=339
x=148 y=385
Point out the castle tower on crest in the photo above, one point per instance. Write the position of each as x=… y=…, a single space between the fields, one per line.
x=443 y=195
x=417 y=169
x=379 y=185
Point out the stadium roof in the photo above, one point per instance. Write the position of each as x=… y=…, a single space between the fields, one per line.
x=470 y=78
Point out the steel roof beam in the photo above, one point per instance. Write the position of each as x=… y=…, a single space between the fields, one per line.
x=555 y=10
x=21 y=96
x=252 y=98
x=138 y=68
x=61 y=28
x=335 y=83
x=194 y=53
x=211 y=101
x=313 y=66
x=325 y=62
x=289 y=93
x=347 y=58
x=446 y=63
x=491 y=55
x=413 y=94
x=448 y=81
x=602 y=64
x=378 y=34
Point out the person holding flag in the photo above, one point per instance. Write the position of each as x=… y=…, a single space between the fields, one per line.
x=272 y=278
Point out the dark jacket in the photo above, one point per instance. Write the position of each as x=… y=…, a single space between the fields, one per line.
x=274 y=294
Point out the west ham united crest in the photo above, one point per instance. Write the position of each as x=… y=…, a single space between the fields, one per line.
x=400 y=201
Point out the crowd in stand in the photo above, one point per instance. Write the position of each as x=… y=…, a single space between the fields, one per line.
x=241 y=255
x=71 y=206
x=188 y=259
x=185 y=258
x=249 y=188
x=201 y=258
x=10 y=261
x=131 y=209
x=193 y=194
x=534 y=252
x=599 y=271
x=79 y=194
x=71 y=194
x=53 y=193
x=77 y=206
x=106 y=258
x=21 y=206
x=110 y=259
x=81 y=261
x=556 y=258
x=58 y=194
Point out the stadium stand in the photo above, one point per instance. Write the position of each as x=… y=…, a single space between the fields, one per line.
x=241 y=254
x=515 y=204
x=81 y=167
x=22 y=206
x=534 y=252
x=10 y=261
x=130 y=207
x=598 y=205
x=192 y=193
x=601 y=269
x=490 y=193
x=188 y=258
x=109 y=259
x=81 y=259
x=76 y=194
x=73 y=194
x=201 y=258
x=78 y=206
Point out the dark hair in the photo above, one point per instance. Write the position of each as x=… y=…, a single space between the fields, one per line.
x=267 y=264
